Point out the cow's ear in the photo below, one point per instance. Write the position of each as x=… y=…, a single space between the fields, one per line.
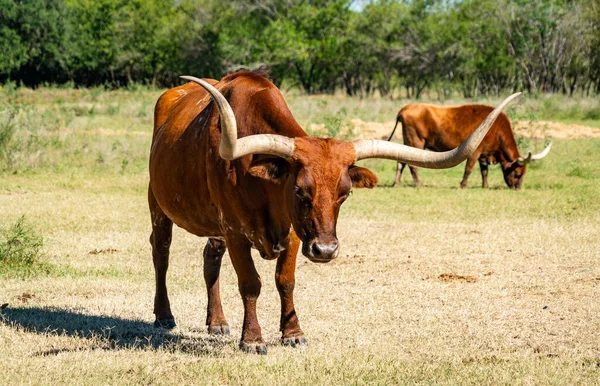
x=362 y=177
x=274 y=169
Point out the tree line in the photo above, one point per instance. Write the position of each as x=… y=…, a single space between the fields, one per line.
x=476 y=47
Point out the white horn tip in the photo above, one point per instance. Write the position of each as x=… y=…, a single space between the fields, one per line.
x=543 y=154
x=194 y=79
x=513 y=96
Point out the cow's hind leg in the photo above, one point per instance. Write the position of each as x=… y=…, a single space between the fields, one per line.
x=162 y=231
x=213 y=256
x=285 y=281
x=399 y=169
x=249 y=285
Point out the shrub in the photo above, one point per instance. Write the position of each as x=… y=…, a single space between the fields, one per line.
x=337 y=126
x=20 y=246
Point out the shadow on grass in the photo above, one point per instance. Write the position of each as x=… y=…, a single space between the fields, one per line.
x=105 y=332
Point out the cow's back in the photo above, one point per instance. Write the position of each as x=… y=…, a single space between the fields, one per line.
x=443 y=128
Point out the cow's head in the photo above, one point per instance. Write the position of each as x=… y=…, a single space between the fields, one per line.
x=317 y=179
x=515 y=171
x=318 y=174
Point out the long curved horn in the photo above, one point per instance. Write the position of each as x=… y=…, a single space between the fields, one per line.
x=373 y=148
x=539 y=156
x=230 y=146
x=535 y=157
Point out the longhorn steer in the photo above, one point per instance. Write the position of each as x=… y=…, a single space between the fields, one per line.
x=270 y=189
x=441 y=128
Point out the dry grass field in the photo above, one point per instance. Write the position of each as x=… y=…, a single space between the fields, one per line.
x=432 y=286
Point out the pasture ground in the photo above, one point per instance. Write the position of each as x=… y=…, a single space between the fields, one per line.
x=433 y=286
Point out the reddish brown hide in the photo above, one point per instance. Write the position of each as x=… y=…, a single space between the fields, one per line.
x=257 y=201
x=440 y=128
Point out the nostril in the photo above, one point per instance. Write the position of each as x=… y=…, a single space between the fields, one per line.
x=316 y=251
x=325 y=250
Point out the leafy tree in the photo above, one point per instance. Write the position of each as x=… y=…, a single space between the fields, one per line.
x=34 y=36
x=320 y=46
x=95 y=44
x=368 y=43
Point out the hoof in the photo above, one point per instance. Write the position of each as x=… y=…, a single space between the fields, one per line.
x=219 y=330
x=254 y=348
x=167 y=324
x=294 y=341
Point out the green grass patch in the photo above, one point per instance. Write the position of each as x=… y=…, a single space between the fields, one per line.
x=557 y=108
x=579 y=172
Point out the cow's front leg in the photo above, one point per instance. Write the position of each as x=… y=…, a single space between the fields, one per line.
x=249 y=284
x=213 y=255
x=285 y=281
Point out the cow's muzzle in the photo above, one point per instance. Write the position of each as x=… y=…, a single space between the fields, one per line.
x=320 y=252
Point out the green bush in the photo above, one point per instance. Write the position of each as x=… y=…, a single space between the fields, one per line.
x=20 y=246
x=338 y=126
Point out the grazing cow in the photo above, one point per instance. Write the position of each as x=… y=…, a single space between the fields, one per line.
x=440 y=128
x=270 y=189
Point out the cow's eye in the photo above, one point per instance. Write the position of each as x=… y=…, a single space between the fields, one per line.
x=302 y=194
x=344 y=196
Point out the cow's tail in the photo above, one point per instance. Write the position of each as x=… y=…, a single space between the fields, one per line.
x=398 y=120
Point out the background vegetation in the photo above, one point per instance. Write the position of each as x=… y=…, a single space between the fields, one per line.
x=476 y=47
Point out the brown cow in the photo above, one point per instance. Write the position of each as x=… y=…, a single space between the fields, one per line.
x=440 y=128
x=270 y=189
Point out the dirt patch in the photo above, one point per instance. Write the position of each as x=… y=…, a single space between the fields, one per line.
x=452 y=277
x=25 y=297
x=103 y=251
x=542 y=129
x=483 y=360
x=360 y=129
x=374 y=130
